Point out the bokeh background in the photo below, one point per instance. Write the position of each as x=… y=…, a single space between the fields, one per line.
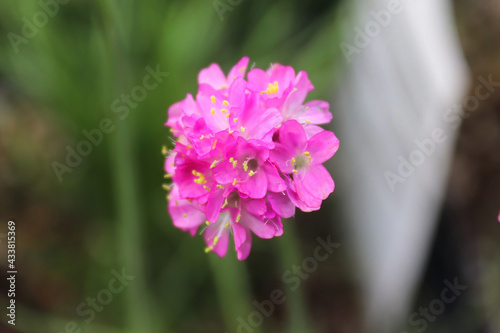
x=109 y=212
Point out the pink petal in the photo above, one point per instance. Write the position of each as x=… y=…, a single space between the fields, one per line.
x=213 y=76
x=217 y=236
x=239 y=234
x=214 y=204
x=281 y=156
x=221 y=247
x=169 y=163
x=216 y=121
x=259 y=227
x=302 y=82
x=316 y=183
x=312 y=130
x=185 y=214
x=278 y=225
x=256 y=186
x=313 y=204
x=322 y=147
x=255 y=207
x=274 y=180
x=316 y=112
x=257 y=122
x=174 y=114
x=284 y=75
x=236 y=94
x=258 y=80
x=293 y=136
x=244 y=249
x=238 y=71
x=185 y=179
x=281 y=204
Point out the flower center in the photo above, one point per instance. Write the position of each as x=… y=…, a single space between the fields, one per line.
x=252 y=164
x=301 y=161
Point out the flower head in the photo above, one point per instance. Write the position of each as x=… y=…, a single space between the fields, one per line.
x=247 y=153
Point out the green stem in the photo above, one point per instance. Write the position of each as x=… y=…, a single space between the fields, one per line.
x=289 y=254
x=233 y=289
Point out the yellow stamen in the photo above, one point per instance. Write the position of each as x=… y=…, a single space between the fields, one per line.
x=185 y=216
x=212 y=111
x=234 y=181
x=208 y=249
x=220 y=186
x=213 y=99
x=206 y=188
x=308 y=122
x=167 y=176
x=164 y=151
x=223 y=110
x=238 y=218
x=227 y=225
x=226 y=103
x=166 y=187
x=242 y=129
x=201 y=178
x=216 y=240
x=208 y=223
x=235 y=120
x=242 y=69
x=293 y=160
x=295 y=171
x=308 y=155
x=215 y=143
x=272 y=88
x=169 y=197
x=224 y=205
x=228 y=115
x=213 y=164
x=251 y=173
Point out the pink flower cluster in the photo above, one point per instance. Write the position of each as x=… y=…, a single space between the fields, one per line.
x=247 y=153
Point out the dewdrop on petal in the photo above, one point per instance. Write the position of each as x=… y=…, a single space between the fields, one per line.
x=247 y=153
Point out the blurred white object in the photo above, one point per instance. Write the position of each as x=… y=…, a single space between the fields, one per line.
x=397 y=86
